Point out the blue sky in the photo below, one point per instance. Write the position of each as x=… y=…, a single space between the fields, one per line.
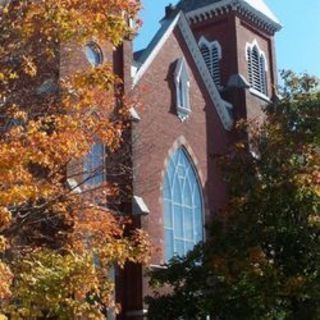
x=298 y=43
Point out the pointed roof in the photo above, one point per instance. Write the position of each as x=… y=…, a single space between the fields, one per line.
x=256 y=8
x=190 y=5
x=261 y=6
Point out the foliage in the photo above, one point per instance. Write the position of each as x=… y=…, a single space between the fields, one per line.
x=58 y=245
x=262 y=260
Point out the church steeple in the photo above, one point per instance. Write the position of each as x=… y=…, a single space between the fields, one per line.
x=242 y=32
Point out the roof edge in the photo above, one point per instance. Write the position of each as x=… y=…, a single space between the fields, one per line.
x=241 y=6
x=222 y=107
x=155 y=46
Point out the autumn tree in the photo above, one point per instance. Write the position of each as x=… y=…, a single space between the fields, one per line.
x=59 y=240
x=262 y=258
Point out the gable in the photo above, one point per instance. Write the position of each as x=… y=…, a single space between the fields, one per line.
x=179 y=22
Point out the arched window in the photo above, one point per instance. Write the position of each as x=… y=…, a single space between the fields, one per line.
x=94 y=165
x=211 y=52
x=257 y=68
x=182 y=83
x=183 y=207
x=94 y=162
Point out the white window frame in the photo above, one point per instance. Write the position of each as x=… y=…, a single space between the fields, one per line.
x=214 y=69
x=182 y=89
x=94 y=54
x=259 y=89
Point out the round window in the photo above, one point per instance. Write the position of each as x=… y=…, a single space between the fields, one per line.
x=93 y=54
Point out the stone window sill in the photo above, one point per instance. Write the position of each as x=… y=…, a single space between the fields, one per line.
x=260 y=95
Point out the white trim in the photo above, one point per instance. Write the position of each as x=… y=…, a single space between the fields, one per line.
x=133 y=71
x=74 y=185
x=260 y=95
x=155 y=51
x=251 y=50
x=141 y=205
x=253 y=44
x=134 y=115
x=215 y=43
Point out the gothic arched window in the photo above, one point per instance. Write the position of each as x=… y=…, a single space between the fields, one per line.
x=183 y=206
x=257 y=68
x=211 y=52
x=94 y=165
x=182 y=83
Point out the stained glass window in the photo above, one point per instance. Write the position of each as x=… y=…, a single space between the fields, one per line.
x=183 y=207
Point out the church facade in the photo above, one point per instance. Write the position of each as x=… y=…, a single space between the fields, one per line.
x=211 y=63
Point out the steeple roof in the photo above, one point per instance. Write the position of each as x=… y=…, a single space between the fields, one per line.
x=256 y=7
x=190 y=5
x=261 y=6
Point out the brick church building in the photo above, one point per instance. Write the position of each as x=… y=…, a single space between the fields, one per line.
x=211 y=63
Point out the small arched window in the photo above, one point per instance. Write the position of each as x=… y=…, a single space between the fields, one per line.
x=257 y=68
x=183 y=206
x=182 y=83
x=212 y=54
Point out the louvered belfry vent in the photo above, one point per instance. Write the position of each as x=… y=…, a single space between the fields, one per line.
x=263 y=75
x=257 y=69
x=249 y=65
x=211 y=52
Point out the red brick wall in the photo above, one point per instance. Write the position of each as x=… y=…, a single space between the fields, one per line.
x=158 y=135
x=73 y=58
x=160 y=132
x=247 y=34
x=233 y=33
x=222 y=29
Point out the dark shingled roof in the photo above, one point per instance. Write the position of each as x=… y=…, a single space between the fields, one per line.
x=138 y=54
x=189 y=5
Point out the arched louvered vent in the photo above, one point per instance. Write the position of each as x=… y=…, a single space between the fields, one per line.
x=256 y=72
x=257 y=68
x=249 y=65
x=211 y=53
x=215 y=66
x=263 y=74
x=205 y=51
